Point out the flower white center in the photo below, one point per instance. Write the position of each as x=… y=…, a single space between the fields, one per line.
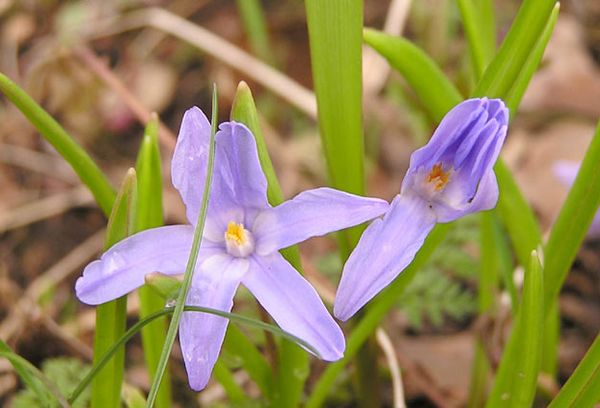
x=431 y=183
x=238 y=240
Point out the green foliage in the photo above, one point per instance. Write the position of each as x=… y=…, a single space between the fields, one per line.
x=65 y=373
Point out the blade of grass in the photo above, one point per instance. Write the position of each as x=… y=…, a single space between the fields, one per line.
x=428 y=81
x=477 y=30
x=68 y=148
x=256 y=28
x=335 y=39
x=111 y=316
x=516 y=379
x=149 y=214
x=293 y=363
x=525 y=31
x=34 y=379
x=488 y=282
x=189 y=270
x=517 y=91
x=582 y=389
x=234 y=392
x=573 y=221
x=252 y=360
x=133 y=330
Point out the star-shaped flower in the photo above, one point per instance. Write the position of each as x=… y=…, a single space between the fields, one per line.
x=240 y=244
x=448 y=178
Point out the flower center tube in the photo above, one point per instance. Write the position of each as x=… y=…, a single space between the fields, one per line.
x=438 y=177
x=238 y=240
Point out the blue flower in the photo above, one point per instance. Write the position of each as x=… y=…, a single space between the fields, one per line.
x=448 y=178
x=240 y=244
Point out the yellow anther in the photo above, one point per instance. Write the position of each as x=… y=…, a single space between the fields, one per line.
x=235 y=233
x=438 y=176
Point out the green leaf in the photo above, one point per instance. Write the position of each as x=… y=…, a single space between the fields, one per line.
x=531 y=65
x=35 y=380
x=111 y=316
x=149 y=214
x=479 y=32
x=516 y=379
x=287 y=389
x=222 y=374
x=191 y=264
x=335 y=38
x=165 y=286
x=527 y=28
x=424 y=76
x=573 y=221
x=582 y=389
x=252 y=360
x=66 y=146
x=256 y=28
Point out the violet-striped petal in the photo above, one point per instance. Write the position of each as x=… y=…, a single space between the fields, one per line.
x=122 y=268
x=386 y=247
x=294 y=304
x=201 y=334
x=312 y=213
x=188 y=166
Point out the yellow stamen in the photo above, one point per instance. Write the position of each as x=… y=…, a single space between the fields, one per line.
x=235 y=233
x=438 y=176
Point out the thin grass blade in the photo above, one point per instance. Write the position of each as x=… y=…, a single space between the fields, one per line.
x=516 y=379
x=149 y=214
x=582 y=389
x=89 y=173
x=111 y=316
x=573 y=221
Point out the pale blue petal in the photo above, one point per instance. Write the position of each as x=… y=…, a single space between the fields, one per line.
x=312 y=213
x=485 y=198
x=122 y=268
x=385 y=249
x=294 y=304
x=238 y=174
x=201 y=334
x=188 y=166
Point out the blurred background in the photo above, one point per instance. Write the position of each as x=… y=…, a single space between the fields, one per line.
x=101 y=67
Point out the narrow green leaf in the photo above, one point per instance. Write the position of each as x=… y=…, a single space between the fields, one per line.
x=335 y=38
x=234 y=392
x=573 y=221
x=428 y=81
x=68 y=148
x=287 y=388
x=164 y=312
x=191 y=264
x=252 y=360
x=33 y=378
x=111 y=316
x=517 y=215
x=478 y=34
x=516 y=379
x=583 y=387
x=256 y=28
x=524 y=33
x=531 y=65
x=488 y=277
x=480 y=372
x=149 y=214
